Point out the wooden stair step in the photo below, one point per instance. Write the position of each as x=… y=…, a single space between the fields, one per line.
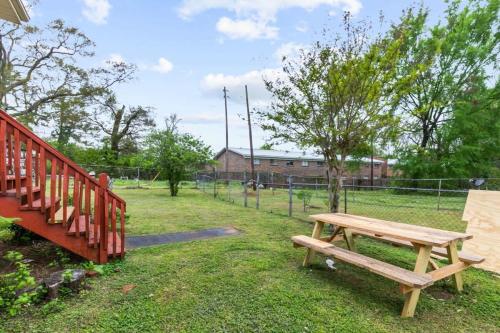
x=24 y=190
x=110 y=241
x=70 y=210
x=37 y=204
x=13 y=177
x=82 y=228
x=398 y=274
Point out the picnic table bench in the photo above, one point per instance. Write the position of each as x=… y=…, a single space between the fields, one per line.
x=426 y=242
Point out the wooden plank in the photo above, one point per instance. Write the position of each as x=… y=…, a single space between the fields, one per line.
x=29 y=172
x=9 y=151
x=3 y=166
x=76 y=202
x=87 y=207
x=37 y=169
x=453 y=259
x=65 y=191
x=60 y=218
x=113 y=225
x=448 y=270
x=43 y=177
x=389 y=271
x=413 y=233
x=122 y=229
x=411 y=298
x=440 y=252
x=17 y=162
x=97 y=217
x=482 y=211
x=318 y=228
x=53 y=179
x=349 y=239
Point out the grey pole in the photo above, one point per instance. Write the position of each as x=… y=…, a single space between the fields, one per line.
x=439 y=194
x=245 y=198
x=257 y=193
x=290 y=196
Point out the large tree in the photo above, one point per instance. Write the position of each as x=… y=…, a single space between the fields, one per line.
x=122 y=125
x=338 y=96
x=176 y=155
x=452 y=53
x=40 y=66
x=468 y=145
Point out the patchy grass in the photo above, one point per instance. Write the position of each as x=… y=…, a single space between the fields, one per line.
x=253 y=282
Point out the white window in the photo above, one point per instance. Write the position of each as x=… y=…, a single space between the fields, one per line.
x=305 y=163
x=289 y=163
x=320 y=163
x=274 y=162
x=256 y=161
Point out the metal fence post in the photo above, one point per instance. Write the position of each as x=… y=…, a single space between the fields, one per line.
x=290 y=196
x=245 y=194
x=345 y=199
x=215 y=185
x=138 y=177
x=257 y=193
x=439 y=194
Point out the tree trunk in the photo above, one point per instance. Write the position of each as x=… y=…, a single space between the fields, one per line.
x=115 y=133
x=174 y=188
x=334 y=189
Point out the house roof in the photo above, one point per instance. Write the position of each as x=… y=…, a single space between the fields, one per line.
x=13 y=11
x=284 y=155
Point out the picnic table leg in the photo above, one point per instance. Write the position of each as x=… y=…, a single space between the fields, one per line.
x=453 y=259
x=424 y=255
x=318 y=228
x=349 y=239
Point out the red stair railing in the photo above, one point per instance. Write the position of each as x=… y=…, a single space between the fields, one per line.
x=22 y=150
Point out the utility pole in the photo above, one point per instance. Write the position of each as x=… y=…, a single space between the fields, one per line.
x=254 y=186
x=371 y=167
x=226 y=160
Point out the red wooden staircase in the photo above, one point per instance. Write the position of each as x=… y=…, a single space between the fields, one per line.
x=57 y=199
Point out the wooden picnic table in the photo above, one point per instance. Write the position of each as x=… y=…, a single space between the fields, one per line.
x=424 y=240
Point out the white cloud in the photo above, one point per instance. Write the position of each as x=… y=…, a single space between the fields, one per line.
x=212 y=85
x=265 y=9
x=96 y=11
x=164 y=66
x=116 y=58
x=246 y=29
x=253 y=18
x=288 y=50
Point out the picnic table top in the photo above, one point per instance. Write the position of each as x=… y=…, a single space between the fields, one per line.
x=409 y=232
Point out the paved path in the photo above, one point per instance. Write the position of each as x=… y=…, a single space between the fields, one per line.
x=133 y=242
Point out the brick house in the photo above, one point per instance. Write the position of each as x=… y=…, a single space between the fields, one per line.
x=294 y=163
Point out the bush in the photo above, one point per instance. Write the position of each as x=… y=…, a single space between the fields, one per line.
x=17 y=289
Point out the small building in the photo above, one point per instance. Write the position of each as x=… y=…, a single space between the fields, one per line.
x=294 y=163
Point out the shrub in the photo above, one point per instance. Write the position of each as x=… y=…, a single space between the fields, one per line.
x=16 y=288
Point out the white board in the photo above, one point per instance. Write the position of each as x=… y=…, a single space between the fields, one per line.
x=482 y=212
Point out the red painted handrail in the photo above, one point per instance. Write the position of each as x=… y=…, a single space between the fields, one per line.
x=48 y=148
x=38 y=152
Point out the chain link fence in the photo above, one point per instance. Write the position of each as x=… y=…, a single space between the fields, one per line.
x=436 y=203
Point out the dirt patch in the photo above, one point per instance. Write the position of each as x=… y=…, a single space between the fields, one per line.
x=440 y=294
x=44 y=257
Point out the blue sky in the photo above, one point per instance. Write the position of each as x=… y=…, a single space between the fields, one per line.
x=187 y=50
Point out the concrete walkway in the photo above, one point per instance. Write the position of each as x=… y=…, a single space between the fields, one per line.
x=133 y=242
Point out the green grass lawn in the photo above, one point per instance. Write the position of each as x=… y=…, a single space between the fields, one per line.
x=253 y=282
